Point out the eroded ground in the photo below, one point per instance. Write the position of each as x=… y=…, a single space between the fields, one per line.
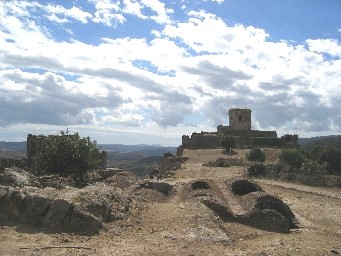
x=161 y=226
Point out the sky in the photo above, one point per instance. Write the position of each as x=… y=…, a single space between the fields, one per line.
x=150 y=71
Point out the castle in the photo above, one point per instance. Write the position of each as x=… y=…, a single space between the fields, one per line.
x=240 y=128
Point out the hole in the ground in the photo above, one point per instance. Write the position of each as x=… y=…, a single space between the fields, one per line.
x=200 y=185
x=164 y=188
x=243 y=187
x=269 y=202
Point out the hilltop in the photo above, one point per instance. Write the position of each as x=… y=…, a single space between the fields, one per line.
x=165 y=221
x=332 y=141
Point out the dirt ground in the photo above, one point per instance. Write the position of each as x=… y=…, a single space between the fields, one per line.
x=175 y=227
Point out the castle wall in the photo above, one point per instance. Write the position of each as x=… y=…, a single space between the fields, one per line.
x=201 y=141
x=249 y=133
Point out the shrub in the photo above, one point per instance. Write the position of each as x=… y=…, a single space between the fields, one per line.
x=293 y=157
x=310 y=166
x=332 y=157
x=275 y=170
x=256 y=155
x=228 y=142
x=256 y=170
x=66 y=154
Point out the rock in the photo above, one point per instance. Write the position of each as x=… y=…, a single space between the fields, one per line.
x=83 y=223
x=83 y=211
x=57 y=213
x=335 y=252
x=17 y=177
x=12 y=205
x=123 y=180
x=35 y=209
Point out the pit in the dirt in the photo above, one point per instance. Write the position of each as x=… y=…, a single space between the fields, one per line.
x=200 y=185
x=243 y=187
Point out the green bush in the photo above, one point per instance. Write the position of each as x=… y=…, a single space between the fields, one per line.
x=66 y=154
x=275 y=170
x=228 y=142
x=256 y=155
x=256 y=170
x=293 y=157
x=332 y=157
x=310 y=166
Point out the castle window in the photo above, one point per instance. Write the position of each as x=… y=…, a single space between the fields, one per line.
x=240 y=118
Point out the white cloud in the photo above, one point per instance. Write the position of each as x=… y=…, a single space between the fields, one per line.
x=329 y=46
x=189 y=74
x=123 y=118
x=162 y=13
x=204 y=32
x=59 y=14
x=133 y=7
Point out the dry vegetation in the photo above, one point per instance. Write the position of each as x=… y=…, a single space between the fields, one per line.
x=175 y=227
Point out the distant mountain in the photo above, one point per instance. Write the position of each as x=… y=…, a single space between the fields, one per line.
x=332 y=141
x=13 y=146
x=12 y=150
x=139 y=159
x=147 y=150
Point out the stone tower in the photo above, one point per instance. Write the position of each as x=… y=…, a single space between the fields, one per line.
x=240 y=119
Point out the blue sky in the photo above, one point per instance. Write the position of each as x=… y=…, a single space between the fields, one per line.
x=150 y=71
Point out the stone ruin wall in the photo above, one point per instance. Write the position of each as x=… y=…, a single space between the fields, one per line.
x=198 y=141
x=34 y=142
x=214 y=141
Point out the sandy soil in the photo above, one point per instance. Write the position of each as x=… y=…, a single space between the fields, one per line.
x=175 y=227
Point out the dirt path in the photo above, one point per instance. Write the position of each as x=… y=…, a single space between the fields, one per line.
x=176 y=227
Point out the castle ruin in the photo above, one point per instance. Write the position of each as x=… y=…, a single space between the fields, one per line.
x=240 y=128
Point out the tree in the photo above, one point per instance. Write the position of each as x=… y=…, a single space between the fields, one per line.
x=228 y=142
x=310 y=166
x=66 y=154
x=256 y=155
x=293 y=157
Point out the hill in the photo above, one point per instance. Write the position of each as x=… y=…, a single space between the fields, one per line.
x=332 y=141
x=170 y=217
x=12 y=150
x=139 y=159
x=13 y=146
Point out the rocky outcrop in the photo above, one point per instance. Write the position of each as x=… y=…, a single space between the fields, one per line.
x=16 y=177
x=83 y=211
x=146 y=190
x=170 y=163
